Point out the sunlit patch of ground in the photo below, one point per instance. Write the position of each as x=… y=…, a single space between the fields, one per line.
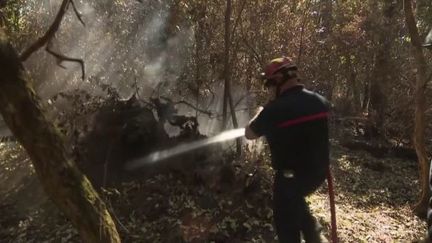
x=373 y=198
x=375 y=224
x=373 y=205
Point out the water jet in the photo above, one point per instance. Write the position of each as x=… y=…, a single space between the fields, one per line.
x=184 y=148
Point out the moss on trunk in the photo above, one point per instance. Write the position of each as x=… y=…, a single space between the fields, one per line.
x=62 y=181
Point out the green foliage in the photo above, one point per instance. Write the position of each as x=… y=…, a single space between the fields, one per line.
x=11 y=15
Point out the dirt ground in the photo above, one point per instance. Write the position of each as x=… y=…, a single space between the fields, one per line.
x=373 y=203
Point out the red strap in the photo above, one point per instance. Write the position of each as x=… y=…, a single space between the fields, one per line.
x=303 y=119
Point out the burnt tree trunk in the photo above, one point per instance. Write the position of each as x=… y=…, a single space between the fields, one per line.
x=228 y=99
x=420 y=108
x=63 y=182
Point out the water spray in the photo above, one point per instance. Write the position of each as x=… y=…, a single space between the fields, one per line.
x=222 y=137
x=184 y=148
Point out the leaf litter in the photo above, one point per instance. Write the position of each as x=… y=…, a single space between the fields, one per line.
x=373 y=205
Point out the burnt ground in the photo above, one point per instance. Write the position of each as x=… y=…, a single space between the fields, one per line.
x=373 y=203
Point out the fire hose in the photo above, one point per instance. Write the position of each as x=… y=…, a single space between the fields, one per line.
x=332 y=207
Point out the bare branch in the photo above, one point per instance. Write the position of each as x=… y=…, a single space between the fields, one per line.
x=46 y=40
x=77 y=13
x=209 y=113
x=49 y=34
x=236 y=22
x=241 y=99
x=62 y=58
x=302 y=33
x=254 y=52
x=238 y=110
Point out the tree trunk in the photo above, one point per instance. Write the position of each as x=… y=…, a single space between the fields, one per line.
x=228 y=99
x=326 y=14
x=199 y=40
x=227 y=70
x=62 y=181
x=383 y=70
x=353 y=88
x=420 y=109
x=326 y=75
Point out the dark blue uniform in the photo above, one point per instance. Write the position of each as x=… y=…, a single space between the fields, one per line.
x=296 y=128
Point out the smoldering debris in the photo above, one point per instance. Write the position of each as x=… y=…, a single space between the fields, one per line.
x=105 y=132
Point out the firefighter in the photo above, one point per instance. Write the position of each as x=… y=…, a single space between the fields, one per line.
x=428 y=238
x=294 y=124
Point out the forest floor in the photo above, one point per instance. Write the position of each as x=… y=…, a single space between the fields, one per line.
x=373 y=204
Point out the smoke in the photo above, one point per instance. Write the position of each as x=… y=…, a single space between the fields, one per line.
x=212 y=125
x=122 y=43
x=214 y=104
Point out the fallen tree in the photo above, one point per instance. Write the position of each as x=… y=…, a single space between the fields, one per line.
x=105 y=132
